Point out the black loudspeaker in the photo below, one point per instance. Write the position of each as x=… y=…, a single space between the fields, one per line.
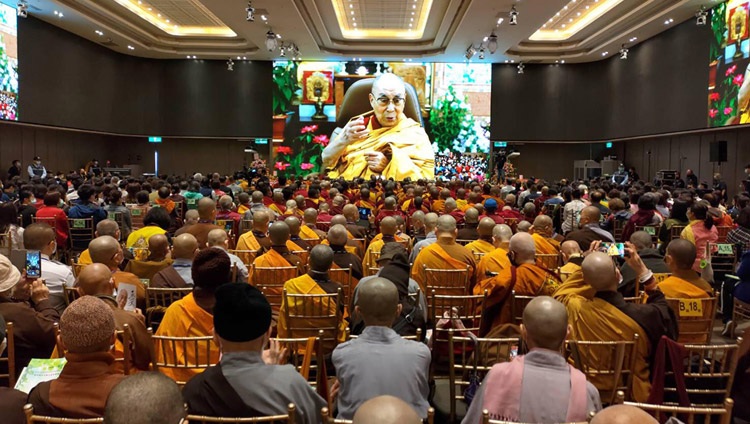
x=718 y=151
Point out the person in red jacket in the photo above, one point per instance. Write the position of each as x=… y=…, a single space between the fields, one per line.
x=51 y=211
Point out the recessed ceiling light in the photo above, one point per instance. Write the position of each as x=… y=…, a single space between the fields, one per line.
x=158 y=15
x=188 y=56
x=355 y=24
x=563 y=25
x=167 y=20
x=605 y=53
x=244 y=57
x=413 y=6
x=562 y=61
x=278 y=35
x=263 y=17
x=411 y=19
x=131 y=47
x=352 y=12
x=351 y=6
x=570 y=20
x=99 y=32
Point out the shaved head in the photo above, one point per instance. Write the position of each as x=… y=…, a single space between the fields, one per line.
x=545 y=323
x=502 y=233
x=294 y=224
x=570 y=247
x=95 y=279
x=207 y=209
x=260 y=221
x=590 y=214
x=279 y=233
x=378 y=302
x=388 y=226
x=486 y=225
x=446 y=224
x=543 y=225
x=321 y=258
x=386 y=409
x=641 y=240
x=682 y=254
x=337 y=235
x=471 y=215
x=158 y=246
x=338 y=220
x=291 y=204
x=418 y=216
x=430 y=221
x=599 y=272
x=450 y=205
x=217 y=237
x=103 y=249
x=390 y=203
x=107 y=227
x=522 y=246
x=191 y=216
x=623 y=414
x=523 y=227
x=185 y=246
x=311 y=216
x=158 y=397
x=351 y=212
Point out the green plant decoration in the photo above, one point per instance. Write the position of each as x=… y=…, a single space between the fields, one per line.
x=285 y=86
x=452 y=126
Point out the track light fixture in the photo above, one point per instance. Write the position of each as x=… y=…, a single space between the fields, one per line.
x=230 y=64
x=481 y=53
x=520 y=67
x=624 y=52
x=22 y=9
x=271 y=42
x=470 y=52
x=250 y=12
x=513 y=15
x=701 y=16
x=492 y=42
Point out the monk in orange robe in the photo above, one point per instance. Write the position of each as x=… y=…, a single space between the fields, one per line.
x=438 y=206
x=278 y=207
x=192 y=316
x=353 y=245
x=542 y=231
x=445 y=253
x=257 y=239
x=524 y=277
x=497 y=260
x=315 y=281
x=484 y=244
x=108 y=251
x=684 y=283
x=308 y=230
x=572 y=258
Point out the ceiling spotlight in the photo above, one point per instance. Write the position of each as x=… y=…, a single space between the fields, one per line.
x=271 y=42
x=230 y=64
x=624 y=52
x=513 y=15
x=99 y=33
x=492 y=43
x=250 y=12
x=283 y=51
x=701 y=16
x=131 y=47
x=470 y=52
x=481 y=54
x=520 y=67
x=22 y=9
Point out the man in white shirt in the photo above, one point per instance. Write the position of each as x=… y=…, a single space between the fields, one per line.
x=41 y=237
x=218 y=239
x=572 y=212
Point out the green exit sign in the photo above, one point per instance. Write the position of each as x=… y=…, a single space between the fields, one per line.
x=501 y=144
x=154 y=139
x=609 y=145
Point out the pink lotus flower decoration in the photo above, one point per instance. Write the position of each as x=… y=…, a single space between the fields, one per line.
x=712 y=113
x=281 y=166
x=728 y=110
x=321 y=139
x=306 y=166
x=284 y=150
x=309 y=129
x=713 y=97
x=730 y=70
x=737 y=80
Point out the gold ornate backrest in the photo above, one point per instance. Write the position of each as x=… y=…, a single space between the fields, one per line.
x=201 y=348
x=290 y=418
x=721 y=415
x=272 y=280
x=311 y=315
x=551 y=262
x=343 y=276
x=80 y=233
x=447 y=281
x=159 y=299
x=458 y=307
x=28 y=410
x=695 y=319
x=246 y=256
x=608 y=365
x=517 y=305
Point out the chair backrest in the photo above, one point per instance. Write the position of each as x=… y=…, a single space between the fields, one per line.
x=618 y=225
x=709 y=373
x=723 y=230
x=246 y=256
x=675 y=231
x=653 y=230
x=71 y=294
x=658 y=278
x=49 y=220
x=303 y=256
x=272 y=280
x=230 y=226
x=302 y=359
x=158 y=300
x=463 y=242
x=457 y=307
x=486 y=419
x=245 y=225
x=76 y=267
x=723 y=257
x=551 y=262
x=695 y=318
x=356 y=102
x=117 y=217
x=28 y=409
x=179 y=209
x=447 y=281
x=6 y=243
x=689 y=415
x=312 y=242
x=474 y=356
x=517 y=305
x=9 y=357
x=608 y=365
x=328 y=419
x=201 y=350
x=137 y=213
x=741 y=312
x=343 y=276
x=80 y=232
x=311 y=315
x=124 y=339
x=323 y=226
x=478 y=256
x=290 y=418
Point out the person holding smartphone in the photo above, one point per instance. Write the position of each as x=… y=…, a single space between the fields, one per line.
x=41 y=238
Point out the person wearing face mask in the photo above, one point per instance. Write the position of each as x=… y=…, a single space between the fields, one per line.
x=36 y=169
x=26 y=207
x=524 y=277
x=41 y=237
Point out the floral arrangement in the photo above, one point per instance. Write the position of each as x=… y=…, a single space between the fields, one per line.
x=308 y=159
x=258 y=164
x=453 y=126
x=509 y=171
x=722 y=100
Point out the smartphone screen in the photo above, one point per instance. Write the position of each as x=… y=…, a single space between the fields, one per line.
x=33 y=264
x=613 y=249
x=364 y=213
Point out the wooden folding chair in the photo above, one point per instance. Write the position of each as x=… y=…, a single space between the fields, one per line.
x=343 y=276
x=312 y=242
x=658 y=278
x=550 y=262
x=723 y=258
x=137 y=213
x=76 y=267
x=245 y=225
x=417 y=337
x=723 y=232
x=675 y=231
x=246 y=256
x=323 y=226
x=447 y=281
x=304 y=255
x=179 y=209
x=70 y=294
x=9 y=357
x=290 y=418
x=486 y=419
x=741 y=311
x=652 y=230
x=28 y=409
x=618 y=225
x=687 y=415
x=328 y=419
x=80 y=233
x=6 y=243
x=374 y=256
x=517 y=305
x=315 y=315
x=164 y=353
x=709 y=373
x=117 y=217
x=464 y=242
x=303 y=359
x=695 y=319
x=232 y=229
x=474 y=356
x=608 y=365
x=158 y=300
x=270 y=281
